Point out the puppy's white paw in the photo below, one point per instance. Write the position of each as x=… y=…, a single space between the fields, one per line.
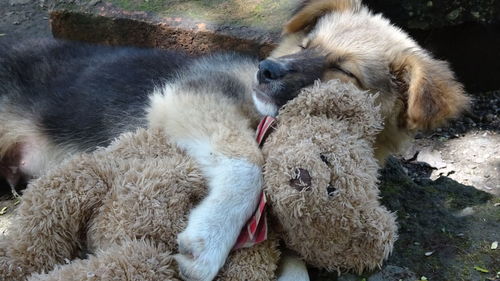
x=201 y=254
x=191 y=269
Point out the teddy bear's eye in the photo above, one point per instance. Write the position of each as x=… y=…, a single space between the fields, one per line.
x=301 y=179
x=324 y=159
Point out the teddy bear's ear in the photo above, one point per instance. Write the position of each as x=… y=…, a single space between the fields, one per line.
x=309 y=11
x=334 y=100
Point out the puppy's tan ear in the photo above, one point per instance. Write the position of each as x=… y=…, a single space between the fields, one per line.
x=310 y=11
x=430 y=90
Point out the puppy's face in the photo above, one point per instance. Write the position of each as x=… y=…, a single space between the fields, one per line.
x=280 y=79
x=341 y=39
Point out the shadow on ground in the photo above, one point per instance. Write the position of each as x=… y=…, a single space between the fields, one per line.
x=445 y=229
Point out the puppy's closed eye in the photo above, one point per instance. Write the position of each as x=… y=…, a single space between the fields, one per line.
x=336 y=67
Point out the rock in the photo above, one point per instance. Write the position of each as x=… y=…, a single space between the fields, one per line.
x=388 y=273
x=468 y=211
x=469 y=120
x=105 y=24
x=393 y=273
x=93 y=2
x=431 y=157
x=19 y=2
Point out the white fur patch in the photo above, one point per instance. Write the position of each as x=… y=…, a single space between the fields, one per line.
x=265 y=108
x=159 y=103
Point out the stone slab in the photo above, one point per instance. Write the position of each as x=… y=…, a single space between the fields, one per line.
x=103 y=22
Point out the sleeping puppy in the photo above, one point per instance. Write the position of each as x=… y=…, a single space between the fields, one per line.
x=342 y=39
x=59 y=98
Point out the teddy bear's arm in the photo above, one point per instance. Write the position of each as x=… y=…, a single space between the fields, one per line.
x=131 y=260
x=47 y=229
x=211 y=129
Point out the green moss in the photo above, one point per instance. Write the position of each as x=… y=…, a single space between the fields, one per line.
x=266 y=14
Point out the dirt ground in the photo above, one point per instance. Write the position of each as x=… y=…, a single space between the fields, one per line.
x=466 y=151
x=23 y=19
x=445 y=187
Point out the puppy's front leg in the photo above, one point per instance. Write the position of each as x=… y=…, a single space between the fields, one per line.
x=214 y=225
x=219 y=138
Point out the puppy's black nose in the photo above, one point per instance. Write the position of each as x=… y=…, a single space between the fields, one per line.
x=270 y=70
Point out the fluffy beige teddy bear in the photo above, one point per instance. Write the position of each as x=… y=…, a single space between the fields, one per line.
x=114 y=214
x=321 y=179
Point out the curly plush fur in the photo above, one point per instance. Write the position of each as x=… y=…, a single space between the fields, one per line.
x=124 y=205
x=115 y=214
x=321 y=178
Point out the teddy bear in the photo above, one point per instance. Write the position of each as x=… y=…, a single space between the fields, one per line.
x=114 y=214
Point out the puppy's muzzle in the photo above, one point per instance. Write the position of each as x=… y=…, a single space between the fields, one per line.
x=280 y=79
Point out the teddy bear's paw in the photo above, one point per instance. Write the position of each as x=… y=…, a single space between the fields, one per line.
x=197 y=259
